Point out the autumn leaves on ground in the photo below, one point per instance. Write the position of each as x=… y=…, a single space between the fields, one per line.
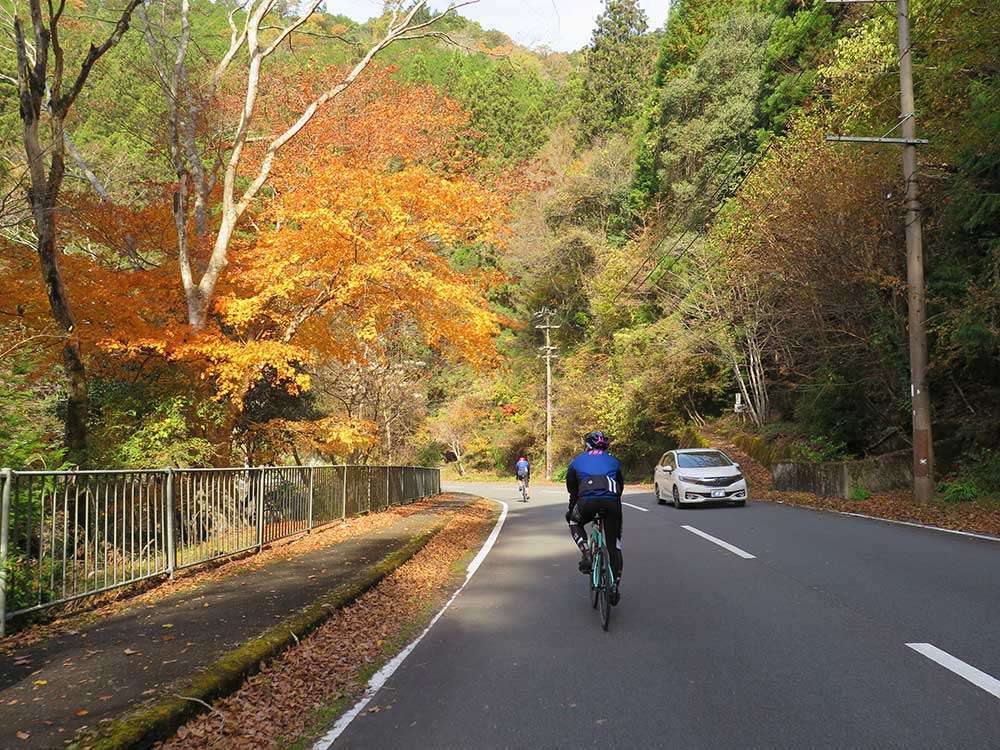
x=316 y=614
x=982 y=516
x=235 y=234
x=295 y=693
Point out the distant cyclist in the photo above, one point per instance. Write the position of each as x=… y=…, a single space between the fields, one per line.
x=522 y=469
x=595 y=483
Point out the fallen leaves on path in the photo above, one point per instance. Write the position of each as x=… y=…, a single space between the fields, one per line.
x=899 y=506
x=278 y=703
x=105 y=605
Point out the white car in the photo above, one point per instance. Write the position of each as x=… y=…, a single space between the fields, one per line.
x=699 y=475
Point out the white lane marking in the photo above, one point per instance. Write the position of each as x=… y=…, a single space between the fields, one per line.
x=382 y=676
x=564 y=493
x=725 y=545
x=644 y=510
x=977 y=677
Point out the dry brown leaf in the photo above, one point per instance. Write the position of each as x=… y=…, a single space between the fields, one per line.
x=278 y=701
x=103 y=605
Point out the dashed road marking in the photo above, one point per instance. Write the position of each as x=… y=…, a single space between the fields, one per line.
x=637 y=507
x=976 y=676
x=725 y=545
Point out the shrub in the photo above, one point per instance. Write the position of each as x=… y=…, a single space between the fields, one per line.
x=138 y=430
x=985 y=472
x=860 y=494
x=431 y=454
x=819 y=449
x=29 y=425
x=958 y=491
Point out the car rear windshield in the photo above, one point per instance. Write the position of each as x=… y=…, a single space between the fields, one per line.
x=706 y=460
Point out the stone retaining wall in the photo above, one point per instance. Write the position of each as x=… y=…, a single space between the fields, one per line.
x=843 y=478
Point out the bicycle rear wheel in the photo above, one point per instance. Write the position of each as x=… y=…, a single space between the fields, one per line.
x=593 y=580
x=604 y=600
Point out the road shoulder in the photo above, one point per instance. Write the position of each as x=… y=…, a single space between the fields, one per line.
x=300 y=693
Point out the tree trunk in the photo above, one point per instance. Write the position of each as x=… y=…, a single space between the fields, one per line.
x=39 y=88
x=77 y=399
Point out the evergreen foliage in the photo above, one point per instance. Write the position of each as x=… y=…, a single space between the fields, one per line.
x=616 y=67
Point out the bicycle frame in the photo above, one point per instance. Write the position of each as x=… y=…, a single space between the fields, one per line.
x=598 y=541
x=602 y=578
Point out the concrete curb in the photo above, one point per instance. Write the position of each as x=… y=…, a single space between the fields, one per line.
x=149 y=723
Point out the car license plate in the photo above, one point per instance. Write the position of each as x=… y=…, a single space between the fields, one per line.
x=718 y=493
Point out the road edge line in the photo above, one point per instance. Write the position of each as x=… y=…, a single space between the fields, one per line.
x=914 y=524
x=382 y=676
x=145 y=724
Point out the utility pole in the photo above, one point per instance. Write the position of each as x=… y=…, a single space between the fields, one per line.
x=545 y=315
x=923 y=444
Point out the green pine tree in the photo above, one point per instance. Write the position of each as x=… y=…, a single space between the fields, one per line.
x=617 y=63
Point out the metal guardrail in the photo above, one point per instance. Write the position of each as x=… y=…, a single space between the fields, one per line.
x=70 y=534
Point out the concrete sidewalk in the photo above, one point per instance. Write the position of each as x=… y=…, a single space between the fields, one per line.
x=50 y=690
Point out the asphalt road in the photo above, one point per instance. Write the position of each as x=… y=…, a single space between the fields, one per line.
x=797 y=639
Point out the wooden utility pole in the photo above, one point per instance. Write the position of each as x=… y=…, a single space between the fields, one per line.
x=545 y=315
x=923 y=444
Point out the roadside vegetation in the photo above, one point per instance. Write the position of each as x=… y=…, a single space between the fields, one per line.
x=666 y=191
x=710 y=246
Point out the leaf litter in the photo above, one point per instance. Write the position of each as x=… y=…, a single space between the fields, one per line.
x=974 y=516
x=279 y=703
x=101 y=606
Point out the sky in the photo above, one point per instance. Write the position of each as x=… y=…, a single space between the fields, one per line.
x=562 y=25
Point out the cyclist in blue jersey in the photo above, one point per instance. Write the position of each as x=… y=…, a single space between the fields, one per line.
x=595 y=483
x=522 y=469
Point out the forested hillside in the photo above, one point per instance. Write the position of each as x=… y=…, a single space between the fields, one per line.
x=708 y=245
x=352 y=260
x=667 y=192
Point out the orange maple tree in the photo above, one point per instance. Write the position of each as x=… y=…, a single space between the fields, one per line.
x=351 y=247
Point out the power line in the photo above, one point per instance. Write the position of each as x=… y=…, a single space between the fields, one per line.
x=860 y=101
x=667 y=233
x=733 y=142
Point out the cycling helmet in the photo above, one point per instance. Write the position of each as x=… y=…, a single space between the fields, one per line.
x=597 y=441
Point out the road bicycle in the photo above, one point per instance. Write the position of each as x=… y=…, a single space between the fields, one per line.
x=601 y=578
x=522 y=487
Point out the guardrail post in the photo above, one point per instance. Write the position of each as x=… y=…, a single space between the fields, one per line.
x=387 y=472
x=343 y=504
x=260 y=511
x=169 y=514
x=8 y=480
x=312 y=484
